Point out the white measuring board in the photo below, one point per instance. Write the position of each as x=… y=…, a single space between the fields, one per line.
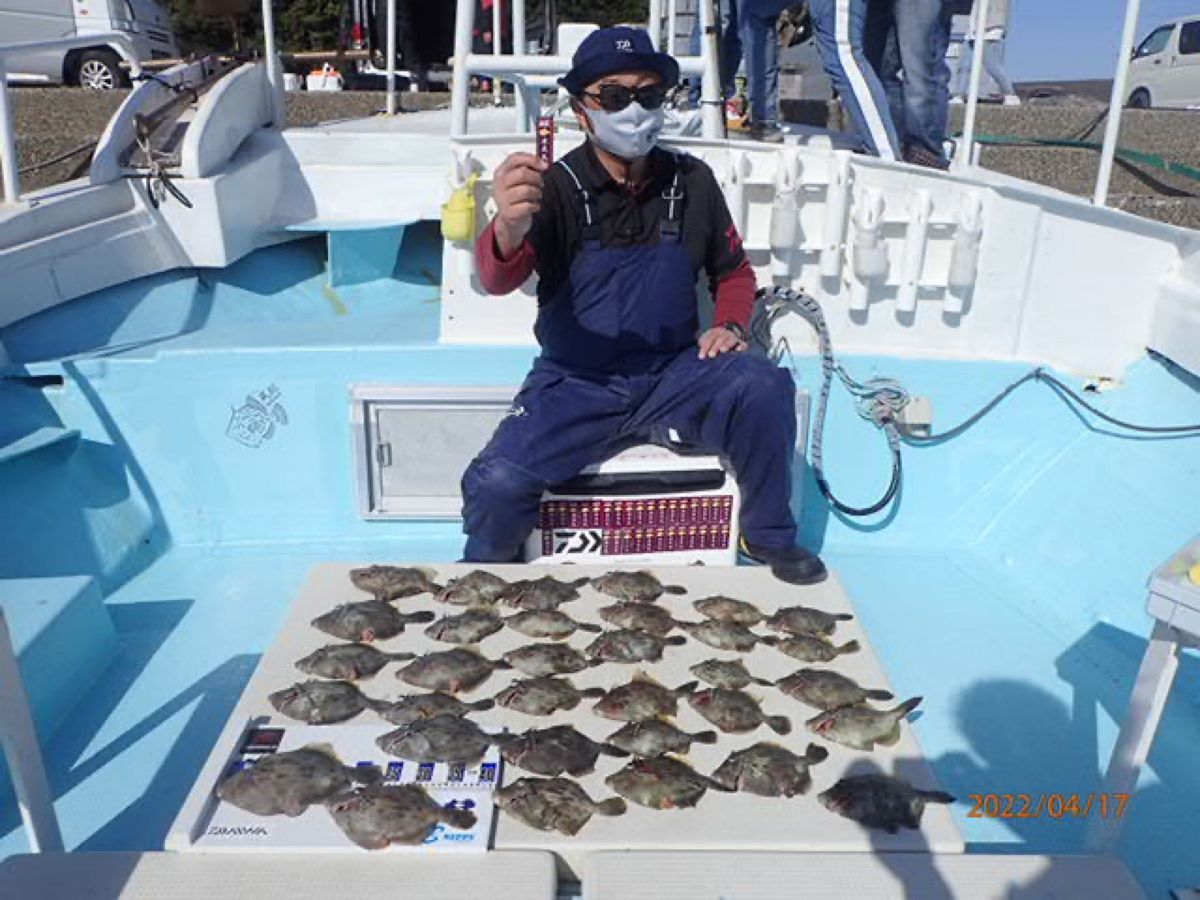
x=720 y=821
x=227 y=828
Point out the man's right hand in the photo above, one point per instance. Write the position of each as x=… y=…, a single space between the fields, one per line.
x=518 y=193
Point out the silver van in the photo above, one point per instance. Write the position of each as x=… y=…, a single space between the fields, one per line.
x=146 y=22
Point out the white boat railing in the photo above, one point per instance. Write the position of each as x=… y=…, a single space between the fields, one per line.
x=1116 y=103
x=515 y=66
x=10 y=175
x=23 y=753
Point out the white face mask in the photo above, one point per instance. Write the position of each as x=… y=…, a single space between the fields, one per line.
x=630 y=133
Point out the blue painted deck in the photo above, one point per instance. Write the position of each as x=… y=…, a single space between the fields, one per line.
x=1007 y=587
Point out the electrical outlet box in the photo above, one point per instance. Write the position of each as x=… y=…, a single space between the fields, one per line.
x=916 y=418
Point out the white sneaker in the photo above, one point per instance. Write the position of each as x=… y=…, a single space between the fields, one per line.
x=957 y=101
x=1012 y=100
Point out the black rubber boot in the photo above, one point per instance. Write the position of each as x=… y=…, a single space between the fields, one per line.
x=795 y=565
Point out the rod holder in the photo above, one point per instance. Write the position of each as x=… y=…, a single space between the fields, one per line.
x=915 y=241
x=837 y=201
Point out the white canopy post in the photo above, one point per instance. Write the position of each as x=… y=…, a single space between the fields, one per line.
x=521 y=93
x=10 y=178
x=391 y=57
x=1116 y=103
x=274 y=71
x=18 y=740
x=713 y=117
x=460 y=89
x=966 y=153
x=655 y=24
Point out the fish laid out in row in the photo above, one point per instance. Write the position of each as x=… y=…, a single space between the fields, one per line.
x=554 y=804
x=861 y=727
x=378 y=815
x=553 y=751
x=367 y=621
x=628 y=645
x=661 y=782
x=537 y=660
x=322 y=702
x=654 y=737
x=735 y=712
x=634 y=586
x=544 y=696
x=655 y=620
x=726 y=609
x=348 y=662
x=476 y=588
x=394 y=582
x=769 y=770
x=414 y=707
x=807 y=648
x=880 y=801
x=827 y=690
x=805 y=620
x=723 y=635
x=548 y=623
x=288 y=783
x=453 y=671
x=541 y=593
x=445 y=739
x=641 y=699
x=726 y=674
x=475 y=624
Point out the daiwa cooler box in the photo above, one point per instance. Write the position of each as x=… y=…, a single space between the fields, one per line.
x=647 y=504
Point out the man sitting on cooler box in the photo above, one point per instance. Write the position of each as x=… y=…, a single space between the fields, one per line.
x=618 y=231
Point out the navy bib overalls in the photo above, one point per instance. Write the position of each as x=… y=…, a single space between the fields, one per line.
x=619 y=359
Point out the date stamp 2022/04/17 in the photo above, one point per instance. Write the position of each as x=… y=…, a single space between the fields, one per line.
x=1054 y=806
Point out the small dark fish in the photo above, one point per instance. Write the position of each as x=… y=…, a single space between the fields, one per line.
x=348 y=662
x=469 y=627
x=641 y=699
x=636 y=586
x=769 y=770
x=734 y=712
x=862 y=727
x=647 y=617
x=543 y=696
x=725 y=635
x=367 y=621
x=541 y=593
x=553 y=751
x=448 y=739
x=654 y=737
x=476 y=588
x=880 y=801
x=825 y=689
x=807 y=648
x=553 y=804
x=805 y=620
x=288 y=783
x=629 y=646
x=548 y=623
x=661 y=782
x=381 y=814
x=393 y=582
x=726 y=609
x=547 y=659
x=322 y=702
x=454 y=671
x=406 y=710
x=724 y=674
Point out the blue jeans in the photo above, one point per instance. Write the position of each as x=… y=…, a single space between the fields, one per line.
x=839 y=26
x=730 y=50
x=912 y=36
x=992 y=51
x=760 y=42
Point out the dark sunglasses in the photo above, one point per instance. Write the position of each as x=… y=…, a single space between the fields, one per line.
x=615 y=97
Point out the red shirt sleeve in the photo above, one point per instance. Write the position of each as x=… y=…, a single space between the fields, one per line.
x=735 y=296
x=502 y=276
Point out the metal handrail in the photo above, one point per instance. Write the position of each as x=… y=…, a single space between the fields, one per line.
x=19 y=741
x=10 y=179
x=1116 y=104
x=517 y=63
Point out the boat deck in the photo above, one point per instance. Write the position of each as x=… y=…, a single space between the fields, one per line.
x=1007 y=587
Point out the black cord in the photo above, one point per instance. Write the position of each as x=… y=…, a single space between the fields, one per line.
x=1068 y=395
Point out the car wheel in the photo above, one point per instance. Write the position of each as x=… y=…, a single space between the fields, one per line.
x=1139 y=99
x=100 y=70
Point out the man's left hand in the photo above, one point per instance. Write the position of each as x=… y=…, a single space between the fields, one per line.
x=720 y=340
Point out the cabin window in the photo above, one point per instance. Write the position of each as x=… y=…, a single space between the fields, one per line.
x=1189 y=38
x=1156 y=42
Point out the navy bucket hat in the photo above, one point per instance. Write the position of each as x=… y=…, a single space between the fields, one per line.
x=620 y=49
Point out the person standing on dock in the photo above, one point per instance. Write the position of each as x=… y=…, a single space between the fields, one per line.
x=995 y=33
x=840 y=27
x=618 y=231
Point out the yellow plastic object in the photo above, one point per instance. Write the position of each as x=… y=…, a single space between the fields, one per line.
x=458 y=213
x=1194 y=574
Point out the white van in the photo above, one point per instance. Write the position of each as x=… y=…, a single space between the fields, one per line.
x=1165 y=71
x=147 y=23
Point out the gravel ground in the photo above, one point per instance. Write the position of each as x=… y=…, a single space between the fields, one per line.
x=53 y=121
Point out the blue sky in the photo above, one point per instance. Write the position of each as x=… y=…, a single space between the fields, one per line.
x=1068 y=39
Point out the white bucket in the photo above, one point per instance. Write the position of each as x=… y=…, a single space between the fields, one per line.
x=292 y=82
x=326 y=78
